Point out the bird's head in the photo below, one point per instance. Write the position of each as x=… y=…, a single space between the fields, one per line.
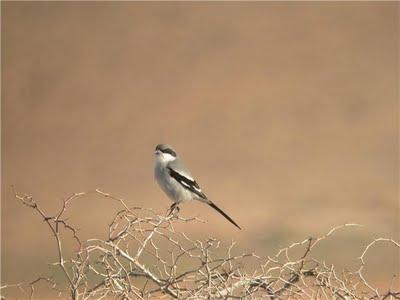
x=165 y=153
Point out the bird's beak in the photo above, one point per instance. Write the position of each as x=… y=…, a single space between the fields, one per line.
x=157 y=152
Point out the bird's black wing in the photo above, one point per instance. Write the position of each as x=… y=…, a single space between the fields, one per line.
x=187 y=183
x=191 y=185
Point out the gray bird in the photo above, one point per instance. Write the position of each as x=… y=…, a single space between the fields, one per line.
x=176 y=181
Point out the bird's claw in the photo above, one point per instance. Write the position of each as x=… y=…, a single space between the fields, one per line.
x=174 y=207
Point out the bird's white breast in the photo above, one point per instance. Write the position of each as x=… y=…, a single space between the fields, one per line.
x=169 y=185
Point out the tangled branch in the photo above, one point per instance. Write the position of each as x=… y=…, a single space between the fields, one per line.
x=144 y=257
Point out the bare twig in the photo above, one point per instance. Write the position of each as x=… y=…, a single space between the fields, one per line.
x=145 y=257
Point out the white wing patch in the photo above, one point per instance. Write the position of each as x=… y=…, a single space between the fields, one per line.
x=191 y=179
x=185 y=184
x=197 y=189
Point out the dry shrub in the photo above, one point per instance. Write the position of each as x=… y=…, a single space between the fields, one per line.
x=144 y=257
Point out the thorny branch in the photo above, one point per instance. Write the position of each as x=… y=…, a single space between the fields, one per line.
x=145 y=257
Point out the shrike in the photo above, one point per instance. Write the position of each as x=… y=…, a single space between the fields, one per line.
x=176 y=181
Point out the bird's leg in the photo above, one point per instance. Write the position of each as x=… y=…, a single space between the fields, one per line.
x=174 y=206
x=171 y=209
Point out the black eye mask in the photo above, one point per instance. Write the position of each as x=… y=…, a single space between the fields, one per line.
x=169 y=151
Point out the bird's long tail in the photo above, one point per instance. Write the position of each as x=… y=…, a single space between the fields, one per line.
x=222 y=213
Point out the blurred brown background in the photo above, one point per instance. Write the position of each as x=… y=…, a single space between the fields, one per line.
x=285 y=112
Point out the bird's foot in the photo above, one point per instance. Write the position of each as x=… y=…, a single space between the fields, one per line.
x=174 y=209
